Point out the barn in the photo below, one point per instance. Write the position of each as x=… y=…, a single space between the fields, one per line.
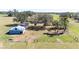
x=16 y=30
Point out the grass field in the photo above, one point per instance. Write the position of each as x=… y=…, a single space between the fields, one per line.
x=3 y=29
x=43 y=41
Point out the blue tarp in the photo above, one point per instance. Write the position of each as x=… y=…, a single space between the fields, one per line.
x=16 y=30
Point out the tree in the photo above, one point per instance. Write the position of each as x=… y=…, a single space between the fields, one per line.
x=33 y=19
x=64 y=21
x=41 y=18
x=68 y=14
x=22 y=16
x=10 y=13
x=15 y=12
x=45 y=18
x=29 y=13
x=61 y=22
x=55 y=23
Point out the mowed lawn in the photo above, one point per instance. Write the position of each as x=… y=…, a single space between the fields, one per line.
x=43 y=41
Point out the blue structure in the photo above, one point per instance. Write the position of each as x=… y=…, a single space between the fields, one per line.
x=16 y=30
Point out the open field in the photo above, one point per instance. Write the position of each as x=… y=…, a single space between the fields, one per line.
x=3 y=29
x=65 y=40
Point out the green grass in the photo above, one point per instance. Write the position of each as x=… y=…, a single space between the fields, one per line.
x=53 y=39
x=4 y=37
x=1 y=15
x=66 y=38
x=45 y=38
x=3 y=28
x=74 y=28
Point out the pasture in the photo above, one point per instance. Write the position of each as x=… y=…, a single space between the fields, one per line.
x=66 y=40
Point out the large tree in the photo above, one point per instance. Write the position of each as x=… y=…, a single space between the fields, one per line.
x=10 y=13
x=22 y=16
x=60 y=22
x=64 y=21
x=55 y=23
x=45 y=18
x=41 y=18
x=15 y=12
x=33 y=19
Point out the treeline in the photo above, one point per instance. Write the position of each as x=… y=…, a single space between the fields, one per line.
x=44 y=18
x=3 y=12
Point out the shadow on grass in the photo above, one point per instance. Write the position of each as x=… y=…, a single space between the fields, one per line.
x=54 y=33
x=13 y=33
x=36 y=28
x=3 y=15
x=11 y=25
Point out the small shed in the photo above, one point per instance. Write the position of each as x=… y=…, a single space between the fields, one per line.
x=16 y=30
